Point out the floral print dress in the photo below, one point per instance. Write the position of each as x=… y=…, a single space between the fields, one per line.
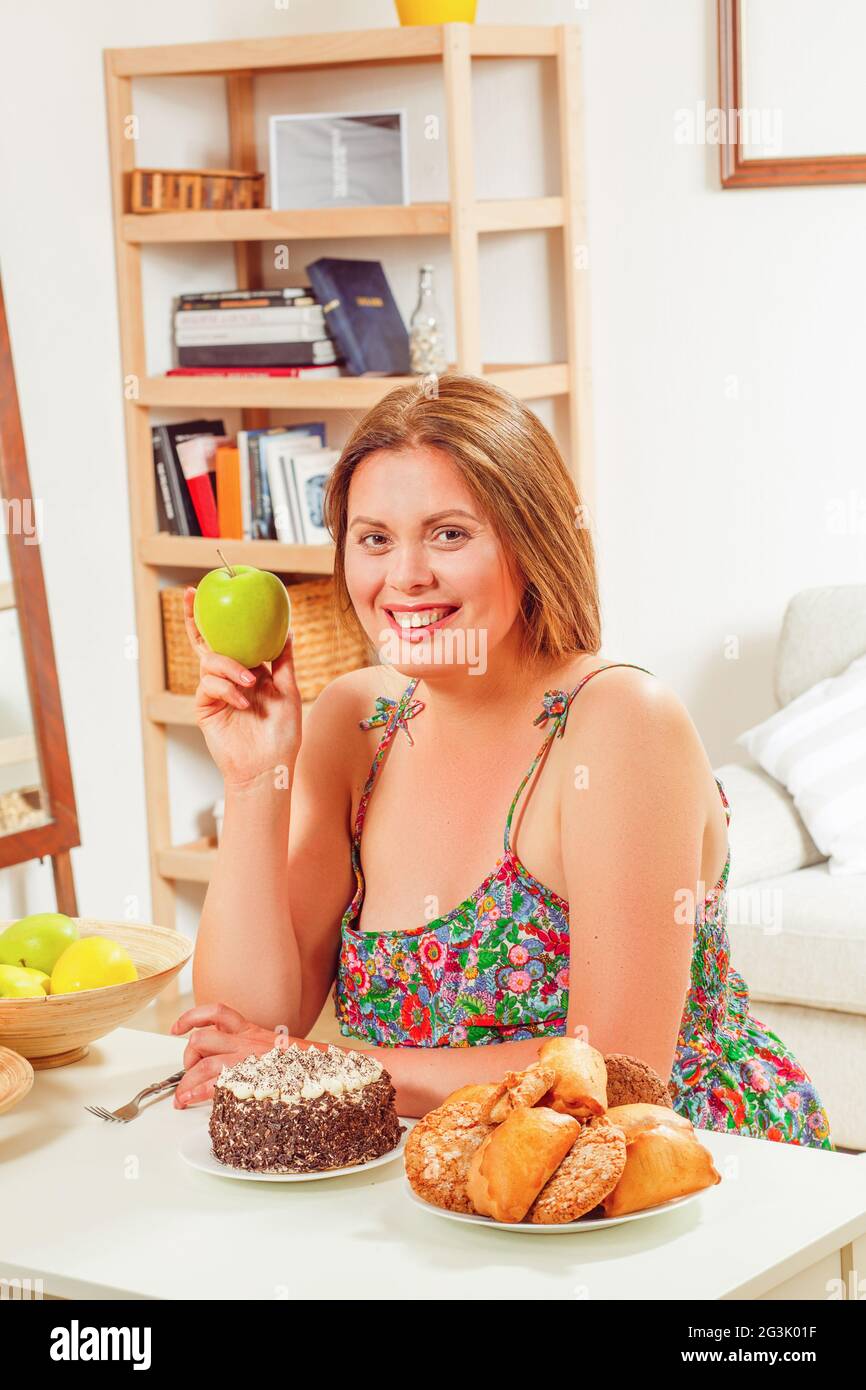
x=495 y=969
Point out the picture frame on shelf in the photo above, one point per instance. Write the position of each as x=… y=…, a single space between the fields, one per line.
x=338 y=159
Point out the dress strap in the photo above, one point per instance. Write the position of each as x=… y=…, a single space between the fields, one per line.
x=555 y=707
x=393 y=714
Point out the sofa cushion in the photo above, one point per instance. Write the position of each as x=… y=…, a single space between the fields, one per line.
x=801 y=938
x=816 y=747
x=822 y=632
x=766 y=835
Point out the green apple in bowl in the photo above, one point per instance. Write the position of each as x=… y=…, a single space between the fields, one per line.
x=243 y=612
x=37 y=941
x=16 y=982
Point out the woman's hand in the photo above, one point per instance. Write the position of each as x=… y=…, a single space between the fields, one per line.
x=220 y=1037
x=251 y=720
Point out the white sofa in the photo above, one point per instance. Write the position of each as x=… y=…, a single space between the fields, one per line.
x=798 y=933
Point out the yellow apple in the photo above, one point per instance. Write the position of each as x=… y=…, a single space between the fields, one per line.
x=92 y=963
x=18 y=983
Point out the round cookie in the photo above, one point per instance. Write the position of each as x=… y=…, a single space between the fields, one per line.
x=439 y=1150
x=633 y=1082
x=590 y=1170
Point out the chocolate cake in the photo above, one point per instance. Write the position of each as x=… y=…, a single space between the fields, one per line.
x=300 y=1110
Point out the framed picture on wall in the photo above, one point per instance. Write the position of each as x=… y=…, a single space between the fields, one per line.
x=338 y=159
x=791 y=92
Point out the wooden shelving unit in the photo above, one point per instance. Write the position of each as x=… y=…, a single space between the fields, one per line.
x=463 y=220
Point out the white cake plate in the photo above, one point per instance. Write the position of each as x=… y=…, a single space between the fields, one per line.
x=586 y=1223
x=195 y=1149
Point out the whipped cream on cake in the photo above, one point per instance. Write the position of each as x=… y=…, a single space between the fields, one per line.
x=294 y=1073
x=297 y=1109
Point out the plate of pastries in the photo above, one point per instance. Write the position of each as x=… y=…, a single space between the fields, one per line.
x=576 y=1141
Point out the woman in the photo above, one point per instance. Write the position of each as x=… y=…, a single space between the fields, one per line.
x=461 y=551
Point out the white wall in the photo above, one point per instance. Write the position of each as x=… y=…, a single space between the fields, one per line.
x=727 y=347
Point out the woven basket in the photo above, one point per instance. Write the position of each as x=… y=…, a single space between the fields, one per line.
x=322 y=649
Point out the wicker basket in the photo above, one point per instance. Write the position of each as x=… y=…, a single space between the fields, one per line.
x=322 y=649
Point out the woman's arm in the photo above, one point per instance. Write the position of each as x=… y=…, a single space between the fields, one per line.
x=633 y=815
x=268 y=938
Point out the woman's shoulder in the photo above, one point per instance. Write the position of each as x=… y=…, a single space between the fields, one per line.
x=626 y=703
x=348 y=699
x=629 y=723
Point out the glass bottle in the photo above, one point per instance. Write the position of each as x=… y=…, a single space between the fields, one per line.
x=426 y=333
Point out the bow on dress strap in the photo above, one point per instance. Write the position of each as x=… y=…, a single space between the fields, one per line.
x=555 y=704
x=385 y=709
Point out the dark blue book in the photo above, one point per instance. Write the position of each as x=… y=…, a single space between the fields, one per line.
x=361 y=316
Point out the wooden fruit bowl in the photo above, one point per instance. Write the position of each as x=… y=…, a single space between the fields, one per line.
x=56 y=1030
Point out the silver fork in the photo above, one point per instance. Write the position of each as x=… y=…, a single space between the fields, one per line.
x=129 y=1112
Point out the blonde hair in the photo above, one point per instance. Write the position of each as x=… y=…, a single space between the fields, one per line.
x=512 y=467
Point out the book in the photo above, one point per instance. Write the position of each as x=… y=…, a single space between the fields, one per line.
x=239 y=337
x=311 y=472
x=175 y=509
x=210 y=299
x=259 y=355
x=362 y=316
x=280 y=454
x=228 y=485
x=319 y=373
x=198 y=460
x=274 y=447
x=263 y=316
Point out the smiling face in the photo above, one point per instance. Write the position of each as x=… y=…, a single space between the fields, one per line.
x=427 y=575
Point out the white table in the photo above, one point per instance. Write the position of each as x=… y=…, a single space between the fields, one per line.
x=111 y=1211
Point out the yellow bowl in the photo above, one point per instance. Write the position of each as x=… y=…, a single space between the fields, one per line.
x=56 y=1029
x=436 y=11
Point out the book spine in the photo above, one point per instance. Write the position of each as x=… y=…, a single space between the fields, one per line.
x=278 y=481
x=208 y=298
x=166 y=517
x=180 y=497
x=258 y=355
x=240 y=337
x=255 y=487
x=339 y=322
x=267 y=531
x=270 y=316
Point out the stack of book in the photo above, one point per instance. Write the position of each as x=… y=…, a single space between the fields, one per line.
x=231 y=332
x=264 y=485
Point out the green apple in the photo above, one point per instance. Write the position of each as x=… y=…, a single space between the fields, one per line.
x=243 y=612
x=37 y=941
x=17 y=983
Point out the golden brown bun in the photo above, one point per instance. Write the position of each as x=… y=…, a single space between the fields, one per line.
x=661 y=1163
x=520 y=1088
x=634 y=1119
x=438 y=1151
x=631 y=1081
x=478 y=1093
x=580 y=1088
x=509 y=1169
x=590 y=1170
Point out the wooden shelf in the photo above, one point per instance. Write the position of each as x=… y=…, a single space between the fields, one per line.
x=199 y=553
x=166 y=708
x=308 y=224
x=189 y=863
x=170 y=709
x=416 y=43
x=532 y=381
x=462 y=219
